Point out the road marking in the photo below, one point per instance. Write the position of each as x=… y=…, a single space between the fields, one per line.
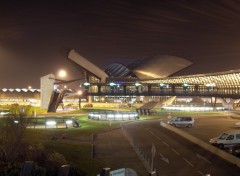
x=203 y=158
x=146 y=129
x=165 y=143
x=201 y=173
x=175 y=151
x=188 y=161
x=152 y=133
x=166 y=160
x=159 y=138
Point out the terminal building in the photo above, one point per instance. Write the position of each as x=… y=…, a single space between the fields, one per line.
x=158 y=74
x=151 y=80
x=25 y=96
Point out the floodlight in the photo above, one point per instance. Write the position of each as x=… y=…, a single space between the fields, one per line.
x=137 y=84
x=86 y=84
x=52 y=122
x=69 y=122
x=112 y=84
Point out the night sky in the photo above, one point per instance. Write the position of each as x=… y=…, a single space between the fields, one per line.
x=33 y=35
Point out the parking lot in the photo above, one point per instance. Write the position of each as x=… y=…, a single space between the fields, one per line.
x=207 y=127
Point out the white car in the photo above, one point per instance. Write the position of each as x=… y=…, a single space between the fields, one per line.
x=226 y=139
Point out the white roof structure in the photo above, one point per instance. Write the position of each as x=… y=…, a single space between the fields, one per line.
x=87 y=65
x=160 y=66
x=226 y=78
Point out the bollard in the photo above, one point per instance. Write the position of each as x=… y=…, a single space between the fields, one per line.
x=105 y=172
x=153 y=173
x=27 y=168
x=64 y=170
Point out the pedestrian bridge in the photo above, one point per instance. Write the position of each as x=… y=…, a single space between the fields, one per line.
x=153 y=89
x=222 y=85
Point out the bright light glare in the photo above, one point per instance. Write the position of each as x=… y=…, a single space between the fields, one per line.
x=191 y=108
x=62 y=73
x=51 y=123
x=86 y=84
x=69 y=122
x=79 y=92
x=117 y=116
x=112 y=84
x=137 y=84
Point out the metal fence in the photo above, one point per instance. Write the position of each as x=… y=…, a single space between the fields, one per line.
x=146 y=160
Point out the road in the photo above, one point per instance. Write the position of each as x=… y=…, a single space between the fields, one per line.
x=176 y=155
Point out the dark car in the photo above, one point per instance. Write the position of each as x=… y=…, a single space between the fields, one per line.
x=235 y=150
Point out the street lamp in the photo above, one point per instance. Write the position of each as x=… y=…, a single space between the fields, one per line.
x=79 y=99
x=62 y=73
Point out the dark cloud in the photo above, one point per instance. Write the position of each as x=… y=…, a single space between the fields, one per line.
x=35 y=32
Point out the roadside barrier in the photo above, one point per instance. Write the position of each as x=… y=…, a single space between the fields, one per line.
x=227 y=156
x=146 y=160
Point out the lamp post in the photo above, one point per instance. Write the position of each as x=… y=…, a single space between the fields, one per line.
x=62 y=74
x=79 y=99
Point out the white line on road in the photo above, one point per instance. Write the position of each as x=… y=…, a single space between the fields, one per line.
x=201 y=173
x=188 y=161
x=175 y=151
x=158 y=138
x=165 y=143
x=166 y=160
x=203 y=158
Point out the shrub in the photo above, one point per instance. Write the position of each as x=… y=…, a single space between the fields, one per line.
x=89 y=105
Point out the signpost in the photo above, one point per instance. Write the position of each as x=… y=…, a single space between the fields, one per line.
x=153 y=155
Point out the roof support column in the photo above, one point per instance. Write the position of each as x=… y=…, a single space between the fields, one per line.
x=213 y=102
x=149 y=89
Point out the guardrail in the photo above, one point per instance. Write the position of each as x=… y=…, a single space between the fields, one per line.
x=229 y=157
x=146 y=160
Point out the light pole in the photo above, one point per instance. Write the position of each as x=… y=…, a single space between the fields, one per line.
x=62 y=74
x=79 y=99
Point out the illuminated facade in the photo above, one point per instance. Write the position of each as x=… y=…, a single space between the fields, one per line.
x=142 y=80
x=20 y=96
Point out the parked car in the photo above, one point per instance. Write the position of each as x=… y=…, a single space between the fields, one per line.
x=235 y=150
x=226 y=139
x=181 y=121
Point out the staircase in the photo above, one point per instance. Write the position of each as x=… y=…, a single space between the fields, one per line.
x=145 y=109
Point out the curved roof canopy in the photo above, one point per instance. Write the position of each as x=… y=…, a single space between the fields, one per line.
x=226 y=79
x=118 y=70
x=159 y=66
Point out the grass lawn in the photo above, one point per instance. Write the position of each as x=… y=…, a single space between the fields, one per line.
x=76 y=143
x=76 y=146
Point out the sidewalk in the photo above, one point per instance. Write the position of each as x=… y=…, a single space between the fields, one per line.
x=114 y=149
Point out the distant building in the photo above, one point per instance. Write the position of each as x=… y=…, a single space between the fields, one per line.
x=20 y=96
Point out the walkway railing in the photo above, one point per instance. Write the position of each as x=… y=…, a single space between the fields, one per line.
x=146 y=160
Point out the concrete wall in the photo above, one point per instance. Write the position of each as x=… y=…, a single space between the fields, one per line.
x=47 y=87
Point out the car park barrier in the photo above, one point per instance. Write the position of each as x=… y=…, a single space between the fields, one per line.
x=230 y=158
